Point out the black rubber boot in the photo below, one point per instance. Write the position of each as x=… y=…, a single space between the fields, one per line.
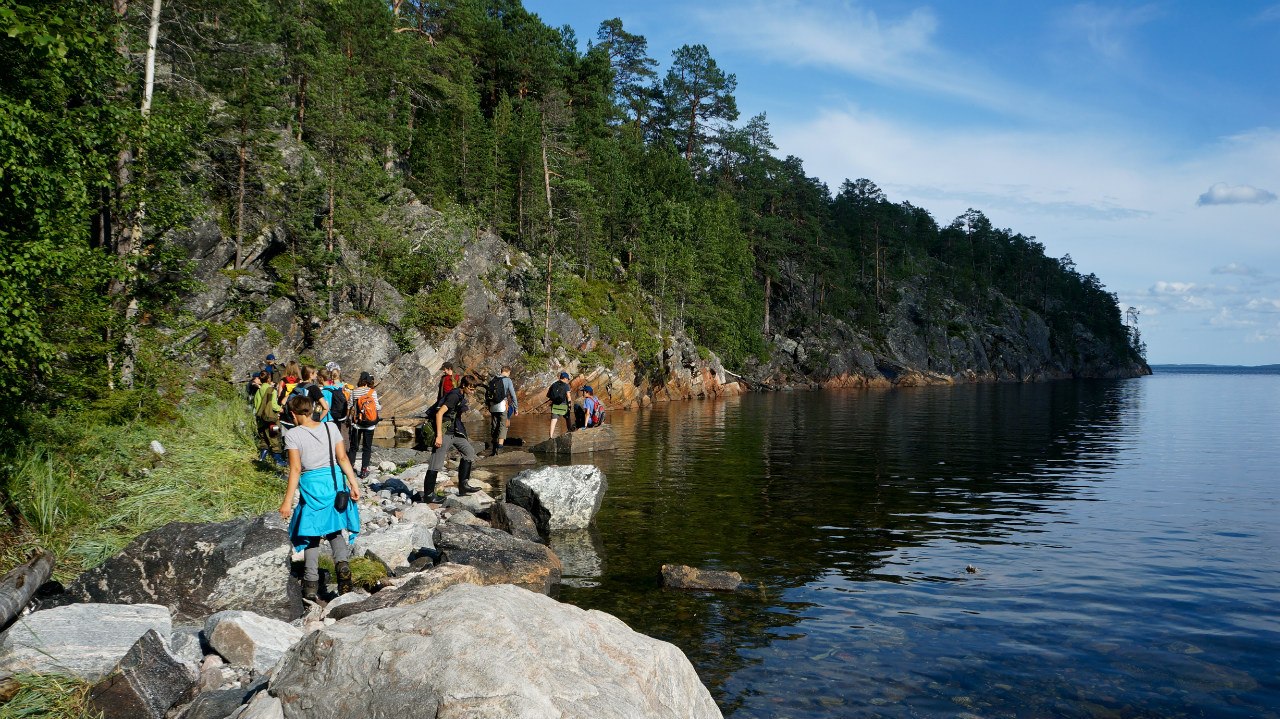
x=429 y=487
x=464 y=473
x=344 y=577
x=311 y=590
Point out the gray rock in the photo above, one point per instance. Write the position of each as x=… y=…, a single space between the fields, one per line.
x=559 y=498
x=500 y=557
x=421 y=515
x=475 y=503
x=507 y=459
x=261 y=706
x=199 y=569
x=157 y=448
x=250 y=640
x=145 y=684
x=81 y=640
x=397 y=455
x=418 y=588
x=494 y=651
x=349 y=598
x=583 y=441
x=221 y=703
x=187 y=646
x=677 y=576
x=393 y=545
x=516 y=521
x=462 y=516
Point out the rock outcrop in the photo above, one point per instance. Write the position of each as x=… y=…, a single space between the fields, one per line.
x=494 y=651
x=559 y=498
x=199 y=569
x=81 y=640
x=499 y=557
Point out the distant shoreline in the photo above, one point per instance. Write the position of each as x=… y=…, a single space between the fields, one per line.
x=1214 y=369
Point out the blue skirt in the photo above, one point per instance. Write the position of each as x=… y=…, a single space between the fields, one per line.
x=315 y=516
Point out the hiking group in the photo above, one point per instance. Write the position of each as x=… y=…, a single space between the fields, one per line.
x=309 y=414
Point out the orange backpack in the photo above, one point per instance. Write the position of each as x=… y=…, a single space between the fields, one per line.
x=366 y=409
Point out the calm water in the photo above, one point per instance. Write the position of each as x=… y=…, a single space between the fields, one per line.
x=1125 y=534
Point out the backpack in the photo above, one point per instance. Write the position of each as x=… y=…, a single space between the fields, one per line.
x=366 y=409
x=265 y=412
x=339 y=400
x=595 y=411
x=495 y=392
x=559 y=393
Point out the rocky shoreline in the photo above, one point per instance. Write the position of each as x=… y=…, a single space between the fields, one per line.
x=208 y=622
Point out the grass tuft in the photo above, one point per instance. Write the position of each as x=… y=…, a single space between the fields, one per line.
x=50 y=697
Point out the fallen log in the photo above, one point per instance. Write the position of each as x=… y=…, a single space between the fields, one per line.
x=20 y=585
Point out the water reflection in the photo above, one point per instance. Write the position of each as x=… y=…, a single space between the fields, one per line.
x=795 y=489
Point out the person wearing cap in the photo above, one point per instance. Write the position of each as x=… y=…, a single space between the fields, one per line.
x=558 y=394
x=362 y=425
x=592 y=408
x=270 y=366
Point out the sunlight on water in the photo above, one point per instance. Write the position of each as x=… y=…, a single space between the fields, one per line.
x=1124 y=534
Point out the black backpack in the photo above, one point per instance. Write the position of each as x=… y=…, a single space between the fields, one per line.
x=559 y=393
x=338 y=403
x=495 y=391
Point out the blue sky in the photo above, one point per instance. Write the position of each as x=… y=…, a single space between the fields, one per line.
x=1143 y=139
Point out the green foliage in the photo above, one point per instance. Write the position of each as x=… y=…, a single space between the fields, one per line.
x=438 y=308
x=365 y=572
x=85 y=488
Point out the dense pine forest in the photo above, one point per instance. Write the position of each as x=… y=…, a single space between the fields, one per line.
x=302 y=126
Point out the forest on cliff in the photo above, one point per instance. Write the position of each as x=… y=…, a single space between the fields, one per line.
x=302 y=126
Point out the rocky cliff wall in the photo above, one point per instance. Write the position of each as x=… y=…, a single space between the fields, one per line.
x=953 y=344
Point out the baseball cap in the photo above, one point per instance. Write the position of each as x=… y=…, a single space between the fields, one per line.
x=564 y=375
x=271 y=358
x=588 y=390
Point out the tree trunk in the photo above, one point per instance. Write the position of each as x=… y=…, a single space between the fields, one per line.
x=768 y=292
x=244 y=154
x=546 y=322
x=329 y=245
x=546 y=169
x=20 y=585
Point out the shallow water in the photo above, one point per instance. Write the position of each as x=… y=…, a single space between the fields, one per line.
x=1125 y=536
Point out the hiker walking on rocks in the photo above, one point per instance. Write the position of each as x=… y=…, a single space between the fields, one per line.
x=338 y=395
x=364 y=411
x=315 y=456
x=266 y=409
x=558 y=394
x=451 y=431
x=500 y=395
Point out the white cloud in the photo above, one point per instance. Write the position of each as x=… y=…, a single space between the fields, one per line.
x=1105 y=29
x=1263 y=304
x=1224 y=194
x=1227 y=320
x=1268 y=334
x=895 y=52
x=1271 y=14
x=1235 y=268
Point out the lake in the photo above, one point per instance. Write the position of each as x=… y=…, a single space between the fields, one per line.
x=1124 y=534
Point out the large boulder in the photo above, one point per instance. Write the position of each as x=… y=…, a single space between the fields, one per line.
x=199 y=569
x=81 y=640
x=495 y=651
x=418 y=588
x=500 y=557
x=583 y=441
x=146 y=683
x=559 y=498
x=249 y=640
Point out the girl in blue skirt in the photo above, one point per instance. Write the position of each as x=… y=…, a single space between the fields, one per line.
x=315 y=456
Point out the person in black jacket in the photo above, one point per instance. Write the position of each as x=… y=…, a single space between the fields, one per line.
x=451 y=431
x=558 y=393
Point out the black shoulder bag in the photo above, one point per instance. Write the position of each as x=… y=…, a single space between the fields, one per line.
x=342 y=496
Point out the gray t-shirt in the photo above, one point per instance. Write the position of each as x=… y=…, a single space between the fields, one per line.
x=312 y=445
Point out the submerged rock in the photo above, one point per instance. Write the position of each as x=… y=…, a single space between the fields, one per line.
x=494 y=651
x=678 y=576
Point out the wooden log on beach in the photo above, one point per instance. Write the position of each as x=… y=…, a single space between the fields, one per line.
x=20 y=585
